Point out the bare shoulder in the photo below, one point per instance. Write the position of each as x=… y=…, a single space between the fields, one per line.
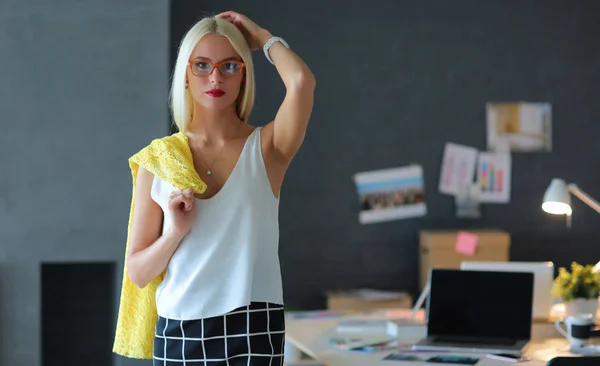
x=143 y=190
x=147 y=214
x=143 y=182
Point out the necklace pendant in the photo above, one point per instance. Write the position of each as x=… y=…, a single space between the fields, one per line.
x=209 y=172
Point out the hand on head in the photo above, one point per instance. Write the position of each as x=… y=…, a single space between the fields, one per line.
x=256 y=36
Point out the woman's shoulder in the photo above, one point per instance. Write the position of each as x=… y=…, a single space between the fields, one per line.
x=175 y=140
x=169 y=157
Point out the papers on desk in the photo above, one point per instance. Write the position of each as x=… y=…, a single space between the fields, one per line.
x=372 y=332
x=305 y=363
x=361 y=345
x=430 y=358
x=318 y=314
x=362 y=326
x=375 y=295
x=381 y=323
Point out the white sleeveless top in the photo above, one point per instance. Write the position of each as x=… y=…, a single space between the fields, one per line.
x=230 y=256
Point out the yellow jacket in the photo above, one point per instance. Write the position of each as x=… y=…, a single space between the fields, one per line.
x=169 y=158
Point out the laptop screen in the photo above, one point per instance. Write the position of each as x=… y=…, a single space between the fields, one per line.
x=480 y=304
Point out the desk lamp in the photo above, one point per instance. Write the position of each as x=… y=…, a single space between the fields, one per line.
x=557 y=199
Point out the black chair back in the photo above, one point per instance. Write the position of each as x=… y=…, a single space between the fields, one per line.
x=574 y=361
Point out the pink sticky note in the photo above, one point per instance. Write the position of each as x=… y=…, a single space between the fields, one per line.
x=466 y=243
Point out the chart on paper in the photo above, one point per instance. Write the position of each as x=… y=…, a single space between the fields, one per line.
x=493 y=177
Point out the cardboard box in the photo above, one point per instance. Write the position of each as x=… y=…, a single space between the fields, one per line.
x=368 y=299
x=437 y=249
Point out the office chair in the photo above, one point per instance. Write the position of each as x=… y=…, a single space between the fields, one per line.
x=574 y=361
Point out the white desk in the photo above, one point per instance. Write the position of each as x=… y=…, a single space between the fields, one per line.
x=311 y=336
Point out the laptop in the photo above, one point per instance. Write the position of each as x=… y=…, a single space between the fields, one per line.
x=478 y=312
x=543 y=280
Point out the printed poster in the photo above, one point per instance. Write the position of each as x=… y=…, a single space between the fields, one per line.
x=493 y=177
x=391 y=194
x=519 y=127
x=458 y=168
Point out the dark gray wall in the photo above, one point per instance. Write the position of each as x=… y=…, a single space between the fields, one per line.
x=395 y=81
x=83 y=87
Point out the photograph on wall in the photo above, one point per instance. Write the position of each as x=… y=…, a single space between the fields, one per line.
x=391 y=194
x=467 y=202
x=519 y=127
x=493 y=177
x=458 y=168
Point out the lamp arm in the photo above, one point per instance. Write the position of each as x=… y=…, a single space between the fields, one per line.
x=420 y=300
x=577 y=192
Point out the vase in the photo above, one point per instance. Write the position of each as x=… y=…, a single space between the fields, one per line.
x=582 y=306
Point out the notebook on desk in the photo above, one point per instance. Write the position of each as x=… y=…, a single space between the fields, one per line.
x=478 y=311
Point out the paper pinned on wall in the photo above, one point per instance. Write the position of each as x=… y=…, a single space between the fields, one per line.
x=467 y=202
x=458 y=168
x=391 y=194
x=466 y=243
x=519 y=127
x=494 y=177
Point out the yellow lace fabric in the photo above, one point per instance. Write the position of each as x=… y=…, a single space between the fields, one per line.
x=169 y=158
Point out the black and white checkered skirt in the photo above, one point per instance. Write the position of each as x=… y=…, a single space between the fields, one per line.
x=251 y=335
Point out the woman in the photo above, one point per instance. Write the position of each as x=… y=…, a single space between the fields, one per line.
x=221 y=299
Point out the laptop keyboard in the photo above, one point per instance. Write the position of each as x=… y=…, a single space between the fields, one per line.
x=478 y=340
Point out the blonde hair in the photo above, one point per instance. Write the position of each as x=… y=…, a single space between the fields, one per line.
x=182 y=107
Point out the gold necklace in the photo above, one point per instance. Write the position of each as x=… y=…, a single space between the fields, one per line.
x=208 y=169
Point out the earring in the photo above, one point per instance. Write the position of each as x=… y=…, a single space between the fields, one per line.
x=186 y=84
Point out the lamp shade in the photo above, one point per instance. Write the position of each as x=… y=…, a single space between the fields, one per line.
x=557 y=199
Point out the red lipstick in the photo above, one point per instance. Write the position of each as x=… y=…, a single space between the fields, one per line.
x=215 y=93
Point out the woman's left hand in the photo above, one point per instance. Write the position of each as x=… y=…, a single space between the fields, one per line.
x=255 y=35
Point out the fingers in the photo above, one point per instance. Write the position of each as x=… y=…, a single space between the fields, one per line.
x=232 y=17
x=175 y=202
x=183 y=200
x=188 y=192
x=228 y=14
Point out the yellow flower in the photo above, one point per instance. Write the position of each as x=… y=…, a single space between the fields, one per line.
x=581 y=282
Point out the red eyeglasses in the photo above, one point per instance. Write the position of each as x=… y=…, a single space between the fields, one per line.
x=227 y=68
